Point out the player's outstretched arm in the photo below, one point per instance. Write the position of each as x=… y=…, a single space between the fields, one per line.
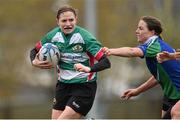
x=151 y=82
x=124 y=51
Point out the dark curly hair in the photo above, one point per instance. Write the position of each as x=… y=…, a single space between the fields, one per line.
x=153 y=24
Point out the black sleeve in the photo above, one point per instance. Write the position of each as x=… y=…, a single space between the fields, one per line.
x=33 y=53
x=102 y=64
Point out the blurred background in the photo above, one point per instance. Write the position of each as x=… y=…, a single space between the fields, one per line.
x=27 y=92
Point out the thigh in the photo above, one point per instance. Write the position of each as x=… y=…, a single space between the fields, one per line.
x=61 y=96
x=175 y=112
x=82 y=97
x=69 y=113
x=81 y=104
x=177 y=106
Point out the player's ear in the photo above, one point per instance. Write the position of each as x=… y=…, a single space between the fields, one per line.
x=153 y=32
x=57 y=21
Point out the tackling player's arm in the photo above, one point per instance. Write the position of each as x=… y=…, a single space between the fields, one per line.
x=124 y=51
x=151 y=82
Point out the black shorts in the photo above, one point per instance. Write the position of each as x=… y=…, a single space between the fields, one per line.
x=168 y=103
x=79 y=97
x=167 y=106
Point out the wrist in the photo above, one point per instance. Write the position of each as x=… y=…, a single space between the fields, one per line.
x=172 y=55
x=33 y=62
x=138 y=91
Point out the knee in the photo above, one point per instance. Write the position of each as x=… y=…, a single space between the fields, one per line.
x=55 y=114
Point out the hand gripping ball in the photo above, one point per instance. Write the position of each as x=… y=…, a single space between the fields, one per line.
x=49 y=52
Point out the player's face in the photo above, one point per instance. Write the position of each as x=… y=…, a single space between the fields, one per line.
x=67 y=21
x=142 y=32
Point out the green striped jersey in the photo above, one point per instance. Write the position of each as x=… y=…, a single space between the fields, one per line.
x=77 y=47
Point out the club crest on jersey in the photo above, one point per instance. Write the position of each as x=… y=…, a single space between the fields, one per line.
x=77 y=48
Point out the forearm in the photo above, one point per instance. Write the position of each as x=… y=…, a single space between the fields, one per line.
x=102 y=64
x=126 y=52
x=172 y=56
x=177 y=54
x=151 y=82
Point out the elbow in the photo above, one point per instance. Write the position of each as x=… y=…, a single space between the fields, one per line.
x=133 y=53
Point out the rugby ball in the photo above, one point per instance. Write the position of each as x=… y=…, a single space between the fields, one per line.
x=49 y=52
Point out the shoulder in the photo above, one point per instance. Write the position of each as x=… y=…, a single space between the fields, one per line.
x=165 y=46
x=153 y=42
x=81 y=29
x=84 y=32
x=53 y=31
x=51 y=34
x=153 y=46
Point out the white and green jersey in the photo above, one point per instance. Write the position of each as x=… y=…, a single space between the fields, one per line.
x=78 y=47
